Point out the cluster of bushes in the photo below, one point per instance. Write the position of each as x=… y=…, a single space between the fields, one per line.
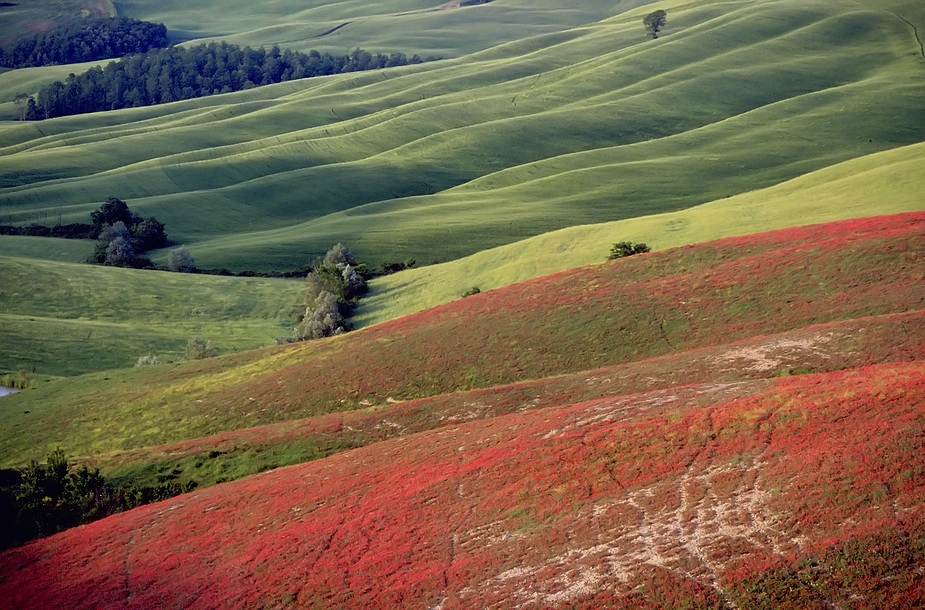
x=623 y=249
x=47 y=498
x=390 y=268
x=178 y=73
x=335 y=283
x=85 y=41
x=123 y=236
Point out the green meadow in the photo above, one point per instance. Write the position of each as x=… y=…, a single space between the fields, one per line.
x=588 y=124
x=531 y=149
x=65 y=318
x=883 y=183
x=617 y=313
x=536 y=135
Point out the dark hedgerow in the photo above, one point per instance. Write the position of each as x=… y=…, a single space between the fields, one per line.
x=180 y=73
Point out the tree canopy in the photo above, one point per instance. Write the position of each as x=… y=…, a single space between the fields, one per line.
x=179 y=73
x=655 y=22
x=86 y=41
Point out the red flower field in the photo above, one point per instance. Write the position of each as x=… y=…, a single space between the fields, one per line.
x=738 y=424
x=803 y=493
x=619 y=312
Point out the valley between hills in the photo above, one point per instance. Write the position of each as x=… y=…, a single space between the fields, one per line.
x=514 y=414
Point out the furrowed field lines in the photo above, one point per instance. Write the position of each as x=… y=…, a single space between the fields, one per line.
x=416 y=26
x=628 y=310
x=445 y=159
x=573 y=506
x=828 y=347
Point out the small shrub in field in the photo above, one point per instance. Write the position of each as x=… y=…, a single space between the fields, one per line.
x=147 y=360
x=180 y=260
x=197 y=349
x=471 y=291
x=322 y=318
x=623 y=249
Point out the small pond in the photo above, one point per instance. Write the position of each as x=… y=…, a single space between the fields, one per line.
x=5 y=390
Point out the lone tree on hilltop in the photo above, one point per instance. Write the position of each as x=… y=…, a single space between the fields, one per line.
x=655 y=21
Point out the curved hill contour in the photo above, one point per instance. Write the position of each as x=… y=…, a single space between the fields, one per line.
x=438 y=161
x=618 y=312
x=799 y=494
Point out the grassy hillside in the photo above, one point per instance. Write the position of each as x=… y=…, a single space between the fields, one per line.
x=801 y=494
x=231 y=455
x=64 y=318
x=426 y=27
x=727 y=422
x=883 y=183
x=442 y=160
x=632 y=309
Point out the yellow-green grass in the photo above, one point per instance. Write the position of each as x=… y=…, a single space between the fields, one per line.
x=62 y=318
x=409 y=26
x=603 y=315
x=816 y=349
x=46 y=248
x=883 y=183
x=439 y=161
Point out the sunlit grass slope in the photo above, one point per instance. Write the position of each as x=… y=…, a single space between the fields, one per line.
x=46 y=248
x=438 y=161
x=603 y=315
x=425 y=27
x=230 y=455
x=65 y=318
x=806 y=493
x=883 y=183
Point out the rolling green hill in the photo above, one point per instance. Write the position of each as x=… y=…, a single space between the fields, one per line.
x=439 y=161
x=63 y=318
x=426 y=27
x=733 y=420
x=883 y=183
x=602 y=315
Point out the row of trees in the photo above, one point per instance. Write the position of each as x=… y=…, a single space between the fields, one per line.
x=88 y=40
x=47 y=498
x=178 y=73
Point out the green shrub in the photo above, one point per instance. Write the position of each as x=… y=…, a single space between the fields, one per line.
x=623 y=249
x=198 y=349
